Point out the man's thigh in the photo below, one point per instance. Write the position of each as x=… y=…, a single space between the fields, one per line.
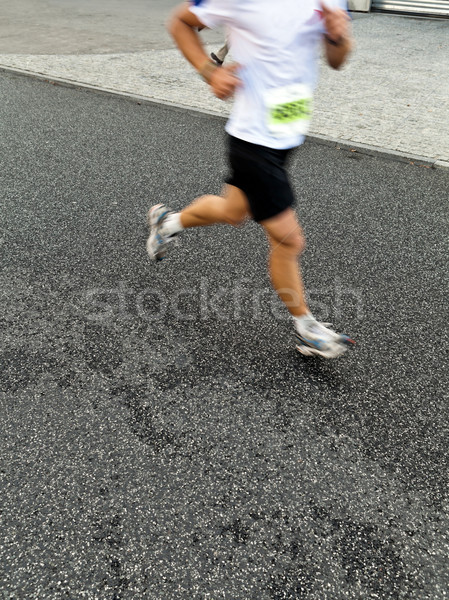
x=236 y=203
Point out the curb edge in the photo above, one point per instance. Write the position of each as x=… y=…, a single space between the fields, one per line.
x=340 y=144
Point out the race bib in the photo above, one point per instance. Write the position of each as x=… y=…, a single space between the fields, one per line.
x=289 y=110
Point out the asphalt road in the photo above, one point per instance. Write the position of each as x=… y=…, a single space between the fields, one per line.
x=162 y=439
x=87 y=26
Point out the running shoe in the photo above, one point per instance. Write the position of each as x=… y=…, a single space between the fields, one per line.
x=317 y=339
x=158 y=241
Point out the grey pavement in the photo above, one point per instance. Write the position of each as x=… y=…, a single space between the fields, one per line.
x=154 y=448
x=392 y=95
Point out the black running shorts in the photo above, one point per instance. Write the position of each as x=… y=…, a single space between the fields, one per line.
x=260 y=173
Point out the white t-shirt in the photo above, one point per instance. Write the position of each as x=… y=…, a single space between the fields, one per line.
x=276 y=42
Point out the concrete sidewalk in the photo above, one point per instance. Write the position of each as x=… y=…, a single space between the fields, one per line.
x=393 y=95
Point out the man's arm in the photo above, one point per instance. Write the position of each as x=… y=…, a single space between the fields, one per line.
x=338 y=40
x=182 y=26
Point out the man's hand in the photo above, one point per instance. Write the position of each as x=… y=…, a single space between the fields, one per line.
x=336 y=22
x=224 y=81
x=183 y=26
x=337 y=40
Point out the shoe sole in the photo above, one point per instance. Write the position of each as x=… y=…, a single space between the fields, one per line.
x=341 y=347
x=306 y=351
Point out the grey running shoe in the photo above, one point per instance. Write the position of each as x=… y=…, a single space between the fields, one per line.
x=158 y=241
x=315 y=338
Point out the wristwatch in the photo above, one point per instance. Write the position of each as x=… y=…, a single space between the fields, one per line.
x=207 y=69
x=339 y=42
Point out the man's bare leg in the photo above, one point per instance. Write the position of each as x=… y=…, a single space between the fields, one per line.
x=232 y=208
x=283 y=231
x=286 y=244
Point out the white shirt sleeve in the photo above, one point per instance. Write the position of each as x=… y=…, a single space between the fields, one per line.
x=212 y=13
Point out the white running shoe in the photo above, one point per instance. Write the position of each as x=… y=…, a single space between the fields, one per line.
x=158 y=241
x=315 y=338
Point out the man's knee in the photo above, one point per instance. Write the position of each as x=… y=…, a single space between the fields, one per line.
x=293 y=244
x=299 y=243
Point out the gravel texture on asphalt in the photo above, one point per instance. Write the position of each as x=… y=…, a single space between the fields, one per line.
x=162 y=438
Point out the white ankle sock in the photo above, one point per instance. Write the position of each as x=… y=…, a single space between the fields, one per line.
x=299 y=322
x=172 y=224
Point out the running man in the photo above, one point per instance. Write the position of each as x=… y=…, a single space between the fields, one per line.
x=276 y=47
